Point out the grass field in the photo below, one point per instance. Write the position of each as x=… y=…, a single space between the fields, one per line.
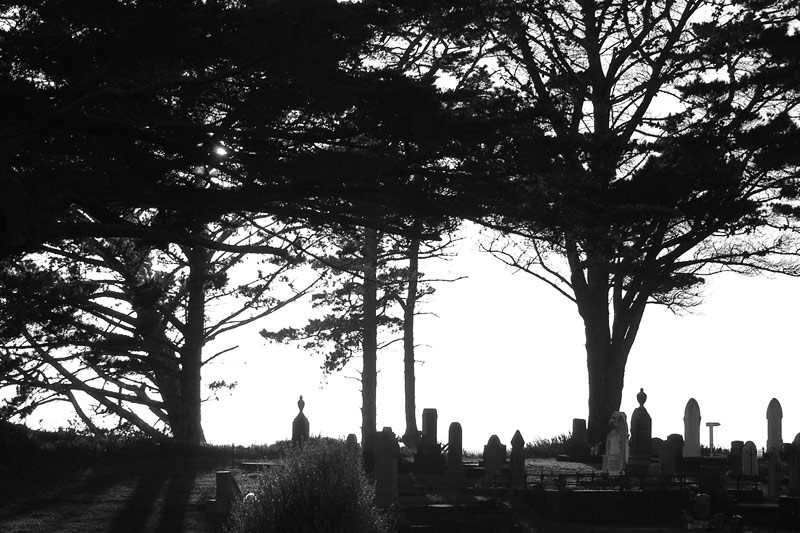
x=149 y=494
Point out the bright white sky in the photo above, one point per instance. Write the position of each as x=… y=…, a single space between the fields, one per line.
x=506 y=352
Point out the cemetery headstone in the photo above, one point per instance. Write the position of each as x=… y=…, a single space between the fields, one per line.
x=368 y=451
x=702 y=507
x=749 y=459
x=641 y=438
x=352 y=441
x=736 y=447
x=454 y=449
x=774 y=422
x=666 y=457
x=794 y=467
x=517 y=454
x=677 y=445
x=387 y=454
x=712 y=480
x=227 y=492
x=655 y=446
x=774 y=476
x=430 y=440
x=624 y=436
x=429 y=458
x=735 y=460
x=653 y=481
x=579 y=442
x=300 y=424
x=494 y=455
x=614 y=458
x=691 y=429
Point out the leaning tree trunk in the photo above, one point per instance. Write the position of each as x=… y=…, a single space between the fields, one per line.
x=369 y=372
x=190 y=428
x=411 y=436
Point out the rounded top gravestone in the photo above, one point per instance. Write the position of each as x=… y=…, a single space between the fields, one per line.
x=691 y=429
x=774 y=429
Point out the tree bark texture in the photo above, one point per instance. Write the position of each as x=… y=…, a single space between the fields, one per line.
x=190 y=427
x=369 y=372
x=411 y=436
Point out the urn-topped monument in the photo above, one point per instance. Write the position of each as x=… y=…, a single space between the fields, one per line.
x=300 y=424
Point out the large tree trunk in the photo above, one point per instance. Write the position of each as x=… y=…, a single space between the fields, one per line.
x=608 y=343
x=605 y=360
x=411 y=435
x=606 y=376
x=369 y=372
x=190 y=428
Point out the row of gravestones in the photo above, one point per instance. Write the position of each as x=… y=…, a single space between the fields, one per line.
x=429 y=456
x=633 y=452
x=495 y=453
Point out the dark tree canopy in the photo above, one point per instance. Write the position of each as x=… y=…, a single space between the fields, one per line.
x=203 y=108
x=625 y=151
x=656 y=143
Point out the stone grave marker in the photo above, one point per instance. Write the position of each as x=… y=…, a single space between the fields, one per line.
x=794 y=467
x=227 y=492
x=579 y=442
x=736 y=457
x=712 y=480
x=691 y=429
x=517 y=454
x=774 y=476
x=666 y=458
x=300 y=424
x=430 y=440
x=619 y=421
x=387 y=455
x=454 y=449
x=429 y=458
x=774 y=422
x=677 y=446
x=494 y=455
x=614 y=458
x=352 y=441
x=749 y=459
x=655 y=446
x=641 y=438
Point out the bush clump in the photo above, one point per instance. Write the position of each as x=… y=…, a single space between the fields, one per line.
x=548 y=448
x=317 y=487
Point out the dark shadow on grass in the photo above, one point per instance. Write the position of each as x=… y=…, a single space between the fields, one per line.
x=141 y=503
x=53 y=486
x=177 y=500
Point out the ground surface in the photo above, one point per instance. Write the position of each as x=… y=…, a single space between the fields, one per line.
x=130 y=495
x=149 y=494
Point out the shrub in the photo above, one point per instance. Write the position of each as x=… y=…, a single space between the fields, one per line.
x=317 y=487
x=548 y=448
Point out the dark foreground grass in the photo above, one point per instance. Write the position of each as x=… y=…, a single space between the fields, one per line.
x=66 y=482
x=154 y=493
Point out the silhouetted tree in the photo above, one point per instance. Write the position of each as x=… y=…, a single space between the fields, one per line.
x=654 y=144
x=130 y=321
x=372 y=289
x=114 y=104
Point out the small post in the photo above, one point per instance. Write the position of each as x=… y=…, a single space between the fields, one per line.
x=711 y=426
x=227 y=492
